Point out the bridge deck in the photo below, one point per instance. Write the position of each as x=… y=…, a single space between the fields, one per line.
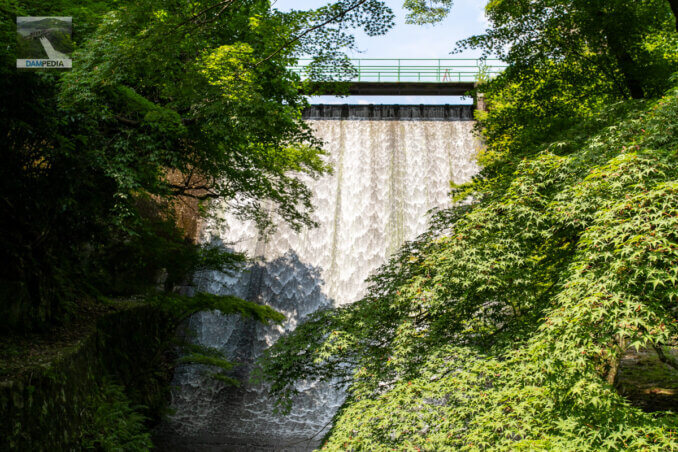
x=404 y=76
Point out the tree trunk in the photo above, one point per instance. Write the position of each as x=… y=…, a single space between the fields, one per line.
x=618 y=49
x=669 y=360
x=627 y=67
x=613 y=371
x=674 y=8
x=615 y=361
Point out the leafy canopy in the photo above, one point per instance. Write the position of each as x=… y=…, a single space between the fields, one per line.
x=170 y=104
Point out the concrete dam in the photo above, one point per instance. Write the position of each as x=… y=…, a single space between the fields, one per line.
x=392 y=165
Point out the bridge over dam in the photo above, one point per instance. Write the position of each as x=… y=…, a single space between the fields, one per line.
x=392 y=165
x=400 y=76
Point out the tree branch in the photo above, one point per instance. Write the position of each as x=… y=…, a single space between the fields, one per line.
x=183 y=190
x=309 y=30
x=615 y=361
x=669 y=360
x=224 y=3
x=127 y=122
x=674 y=8
x=135 y=123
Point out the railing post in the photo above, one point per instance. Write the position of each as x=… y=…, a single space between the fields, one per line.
x=438 y=75
x=359 y=71
x=398 y=69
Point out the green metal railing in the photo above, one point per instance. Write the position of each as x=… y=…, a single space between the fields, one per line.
x=407 y=70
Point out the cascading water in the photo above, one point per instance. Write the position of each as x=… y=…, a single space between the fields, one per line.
x=392 y=164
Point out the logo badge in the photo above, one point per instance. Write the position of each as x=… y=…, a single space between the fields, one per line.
x=44 y=42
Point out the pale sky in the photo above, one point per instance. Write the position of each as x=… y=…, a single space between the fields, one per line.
x=466 y=19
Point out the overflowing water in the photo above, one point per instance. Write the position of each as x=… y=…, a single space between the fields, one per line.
x=392 y=164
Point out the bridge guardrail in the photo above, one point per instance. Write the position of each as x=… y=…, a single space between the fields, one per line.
x=438 y=70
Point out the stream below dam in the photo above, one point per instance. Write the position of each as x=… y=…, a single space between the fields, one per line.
x=392 y=164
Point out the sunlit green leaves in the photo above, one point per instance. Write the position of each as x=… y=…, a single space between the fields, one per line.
x=501 y=328
x=426 y=12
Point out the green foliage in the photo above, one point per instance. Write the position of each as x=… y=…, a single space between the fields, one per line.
x=181 y=306
x=113 y=424
x=60 y=389
x=169 y=104
x=154 y=253
x=567 y=59
x=465 y=400
x=162 y=98
x=426 y=12
x=611 y=40
x=211 y=360
x=504 y=325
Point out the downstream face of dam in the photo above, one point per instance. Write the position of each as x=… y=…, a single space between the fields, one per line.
x=392 y=165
